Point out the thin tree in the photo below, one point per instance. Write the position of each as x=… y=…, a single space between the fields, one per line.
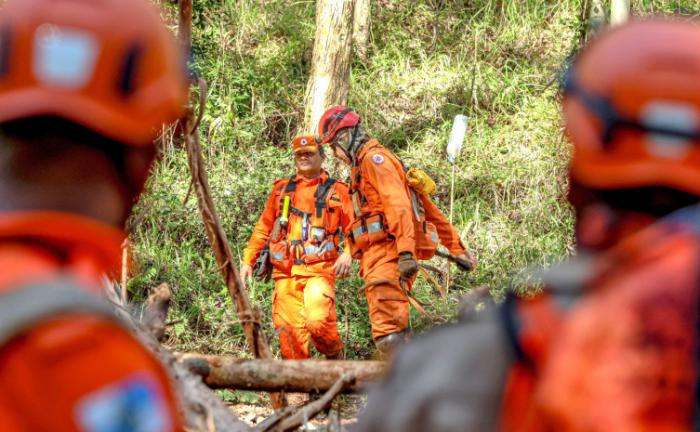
x=594 y=16
x=360 y=33
x=330 y=71
x=619 y=12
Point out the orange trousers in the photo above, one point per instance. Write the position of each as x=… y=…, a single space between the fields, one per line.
x=388 y=303
x=303 y=308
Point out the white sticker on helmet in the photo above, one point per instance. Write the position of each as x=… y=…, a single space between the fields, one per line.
x=64 y=57
x=674 y=116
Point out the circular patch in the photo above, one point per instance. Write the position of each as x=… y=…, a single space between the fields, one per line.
x=378 y=159
x=304 y=141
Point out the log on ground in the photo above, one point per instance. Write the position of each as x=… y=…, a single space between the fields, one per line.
x=277 y=375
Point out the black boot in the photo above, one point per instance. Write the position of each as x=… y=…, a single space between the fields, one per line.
x=387 y=344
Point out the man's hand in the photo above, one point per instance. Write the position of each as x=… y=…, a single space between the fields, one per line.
x=466 y=256
x=342 y=266
x=408 y=266
x=246 y=275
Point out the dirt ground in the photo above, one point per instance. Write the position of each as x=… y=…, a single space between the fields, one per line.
x=343 y=412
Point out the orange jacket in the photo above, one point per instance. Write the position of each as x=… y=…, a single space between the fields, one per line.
x=29 y=243
x=624 y=356
x=338 y=214
x=39 y=251
x=382 y=189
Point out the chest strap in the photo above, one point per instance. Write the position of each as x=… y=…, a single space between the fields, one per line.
x=320 y=197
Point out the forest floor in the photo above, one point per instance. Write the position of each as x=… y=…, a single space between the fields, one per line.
x=346 y=407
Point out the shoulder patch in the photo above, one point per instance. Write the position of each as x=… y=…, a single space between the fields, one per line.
x=134 y=403
x=378 y=159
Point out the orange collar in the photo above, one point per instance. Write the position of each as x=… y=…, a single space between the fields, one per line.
x=66 y=233
x=371 y=144
x=322 y=178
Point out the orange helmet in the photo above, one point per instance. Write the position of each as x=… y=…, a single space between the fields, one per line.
x=632 y=108
x=305 y=142
x=109 y=65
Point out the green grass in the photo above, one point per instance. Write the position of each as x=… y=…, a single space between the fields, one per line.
x=424 y=55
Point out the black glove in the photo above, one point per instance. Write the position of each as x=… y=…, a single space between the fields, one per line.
x=408 y=266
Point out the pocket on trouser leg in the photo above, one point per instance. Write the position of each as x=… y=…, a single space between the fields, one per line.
x=388 y=309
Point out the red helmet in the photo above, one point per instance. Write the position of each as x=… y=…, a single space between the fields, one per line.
x=632 y=108
x=334 y=120
x=110 y=65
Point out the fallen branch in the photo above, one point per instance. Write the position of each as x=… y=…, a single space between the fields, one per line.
x=201 y=408
x=282 y=375
x=155 y=311
x=310 y=410
x=257 y=341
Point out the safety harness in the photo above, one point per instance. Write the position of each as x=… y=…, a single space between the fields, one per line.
x=316 y=241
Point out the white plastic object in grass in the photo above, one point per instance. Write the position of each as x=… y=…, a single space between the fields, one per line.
x=459 y=131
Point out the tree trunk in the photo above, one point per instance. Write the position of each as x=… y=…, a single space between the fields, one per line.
x=594 y=17
x=330 y=70
x=277 y=375
x=360 y=32
x=619 y=12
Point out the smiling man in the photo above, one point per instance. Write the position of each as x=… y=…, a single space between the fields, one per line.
x=302 y=223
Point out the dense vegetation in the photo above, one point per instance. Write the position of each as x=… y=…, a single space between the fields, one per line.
x=495 y=60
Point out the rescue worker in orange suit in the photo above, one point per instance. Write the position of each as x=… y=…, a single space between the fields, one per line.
x=383 y=233
x=611 y=343
x=84 y=88
x=302 y=223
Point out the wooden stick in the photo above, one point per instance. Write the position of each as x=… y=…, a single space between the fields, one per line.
x=312 y=409
x=434 y=282
x=256 y=339
x=125 y=270
x=452 y=203
x=301 y=376
x=155 y=312
x=347 y=327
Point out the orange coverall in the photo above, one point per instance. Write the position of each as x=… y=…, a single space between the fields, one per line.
x=623 y=357
x=303 y=303
x=67 y=370
x=384 y=191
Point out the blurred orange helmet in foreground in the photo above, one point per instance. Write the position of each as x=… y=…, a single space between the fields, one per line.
x=108 y=65
x=632 y=108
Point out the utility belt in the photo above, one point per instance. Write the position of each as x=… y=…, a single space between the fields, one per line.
x=367 y=231
x=319 y=247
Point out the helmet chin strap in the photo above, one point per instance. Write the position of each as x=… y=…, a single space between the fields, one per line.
x=351 y=144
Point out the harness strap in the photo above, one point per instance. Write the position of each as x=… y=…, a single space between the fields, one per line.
x=322 y=194
x=26 y=306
